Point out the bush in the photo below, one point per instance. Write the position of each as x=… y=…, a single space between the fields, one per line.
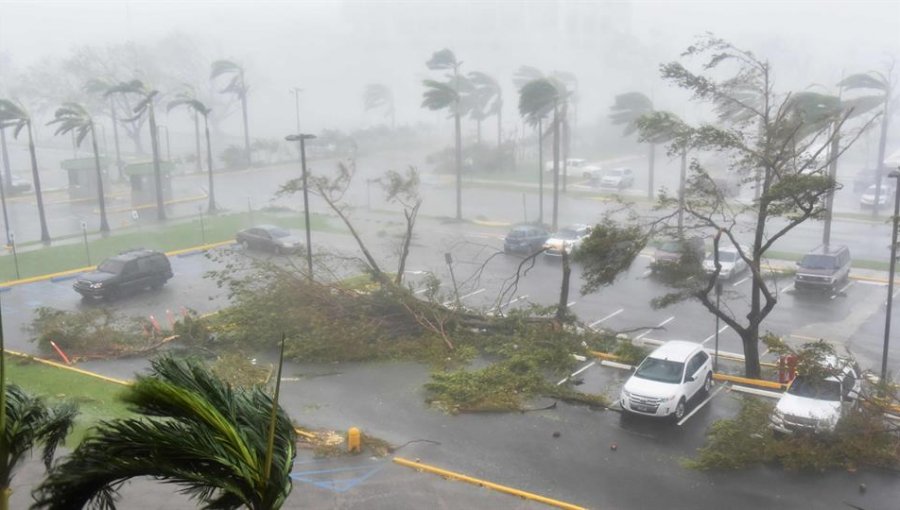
x=92 y=332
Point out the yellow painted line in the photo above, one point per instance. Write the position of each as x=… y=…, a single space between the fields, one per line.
x=488 y=485
x=486 y=223
x=750 y=382
x=67 y=367
x=605 y=355
x=32 y=279
x=151 y=206
x=301 y=432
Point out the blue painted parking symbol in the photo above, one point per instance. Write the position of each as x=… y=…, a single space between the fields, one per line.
x=337 y=479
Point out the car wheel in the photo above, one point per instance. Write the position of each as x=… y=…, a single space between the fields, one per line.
x=707 y=383
x=679 y=410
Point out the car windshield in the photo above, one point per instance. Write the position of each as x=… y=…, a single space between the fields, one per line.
x=671 y=246
x=815 y=388
x=661 y=370
x=111 y=266
x=818 y=262
x=279 y=232
x=566 y=233
x=724 y=256
x=513 y=234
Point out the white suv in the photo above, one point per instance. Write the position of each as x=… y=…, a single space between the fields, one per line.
x=667 y=379
x=816 y=404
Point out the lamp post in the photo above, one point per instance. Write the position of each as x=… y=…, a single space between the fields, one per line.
x=302 y=139
x=887 y=316
x=168 y=146
x=718 y=297
x=296 y=91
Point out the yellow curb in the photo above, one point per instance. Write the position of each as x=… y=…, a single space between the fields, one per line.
x=606 y=356
x=488 y=485
x=32 y=279
x=151 y=206
x=485 y=223
x=66 y=367
x=750 y=382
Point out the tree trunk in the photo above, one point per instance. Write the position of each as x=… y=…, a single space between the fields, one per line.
x=458 y=129
x=562 y=308
x=832 y=172
x=115 y=126
x=681 y=192
x=410 y=215
x=101 y=200
x=199 y=165
x=7 y=172
x=565 y=149
x=211 y=209
x=882 y=141
x=650 y=170
x=246 y=129
x=45 y=234
x=478 y=131
x=555 y=167
x=157 y=173
x=540 y=172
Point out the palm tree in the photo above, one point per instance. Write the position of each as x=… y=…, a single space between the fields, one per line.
x=202 y=110
x=227 y=447
x=238 y=87
x=377 y=95
x=627 y=109
x=663 y=127
x=439 y=96
x=536 y=99
x=882 y=86
x=98 y=86
x=15 y=116
x=524 y=75
x=570 y=84
x=73 y=118
x=489 y=99
x=145 y=105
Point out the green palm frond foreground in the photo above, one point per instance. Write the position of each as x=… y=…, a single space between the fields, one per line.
x=196 y=431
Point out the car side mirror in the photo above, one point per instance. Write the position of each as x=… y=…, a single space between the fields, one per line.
x=848 y=398
x=689 y=378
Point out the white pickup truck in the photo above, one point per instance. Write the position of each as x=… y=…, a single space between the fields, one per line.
x=817 y=404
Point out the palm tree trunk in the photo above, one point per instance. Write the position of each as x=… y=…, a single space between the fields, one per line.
x=246 y=131
x=681 y=192
x=650 y=170
x=458 y=164
x=45 y=234
x=563 y=305
x=157 y=173
x=7 y=172
x=5 y=491
x=104 y=226
x=540 y=172
x=115 y=125
x=199 y=165
x=555 y=167
x=212 y=192
x=829 y=199
x=565 y=150
x=882 y=141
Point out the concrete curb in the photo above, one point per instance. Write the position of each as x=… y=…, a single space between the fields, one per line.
x=483 y=483
x=66 y=367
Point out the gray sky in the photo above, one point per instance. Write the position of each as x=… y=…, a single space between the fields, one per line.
x=333 y=48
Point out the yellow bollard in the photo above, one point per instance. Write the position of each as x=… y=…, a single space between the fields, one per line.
x=353 y=440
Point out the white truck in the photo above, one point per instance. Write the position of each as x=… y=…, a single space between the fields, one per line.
x=816 y=404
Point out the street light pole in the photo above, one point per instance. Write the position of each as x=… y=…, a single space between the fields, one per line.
x=297 y=91
x=302 y=139
x=893 y=266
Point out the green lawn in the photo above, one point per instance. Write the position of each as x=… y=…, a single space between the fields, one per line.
x=175 y=236
x=96 y=399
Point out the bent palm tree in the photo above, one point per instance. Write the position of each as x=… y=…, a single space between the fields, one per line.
x=489 y=98
x=439 y=96
x=378 y=95
x=28 y=423
x=98 y=86
x=215 y=441
x=72 y=117
x=201 y=109
x=627 y=109
x=536 y=99
x=145 y=105
x=661 y=127
x=15 y=116
x=238 y=87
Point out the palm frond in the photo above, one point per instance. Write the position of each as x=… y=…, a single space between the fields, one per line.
x=863 y=81
x=130 y=87
x=443 y=59
x=537 y=99
x=438 y=95
x=863 y=104
x=193 y=104
x=526 y=74
x=220 y=67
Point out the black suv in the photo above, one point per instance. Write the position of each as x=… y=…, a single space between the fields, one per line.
x=124 y=273
x=525 y=239
x=824 y=268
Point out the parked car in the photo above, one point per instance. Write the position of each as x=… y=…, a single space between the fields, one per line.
x=730 y=260
x=573 y=165
x=816 y=404
x=824 y=268
x=525 y=239
x=863 y=179
x=128 y=272
x=618 y=178
x=887 y=194
x=667 y=380
x=568 y=239
x=19 y=185
x=671 y=251
x=268 y=238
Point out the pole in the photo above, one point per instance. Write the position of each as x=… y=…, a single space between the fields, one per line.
x=12 y=242
x=449 y=259
x=887 y=316
x=524 y=209
x=202 y=227
x=250 y=210
x=309 y=263
x=87 y=249
x=4 y=182
x=718 y=296
x=540 y=172
x=296 y=91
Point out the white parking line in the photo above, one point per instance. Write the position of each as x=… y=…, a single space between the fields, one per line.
x=701 y=404
x=742 y=280
x=570 y=303
x=788 y=288
x=573 y=374
x=420 y=291
x=710 y=337
x=646 y=273
x=415 y=272
x=610 y=316
x=866 y=282
x=470 y=294
x=661 y=324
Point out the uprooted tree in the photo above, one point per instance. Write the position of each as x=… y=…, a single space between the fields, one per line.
x=774 y=143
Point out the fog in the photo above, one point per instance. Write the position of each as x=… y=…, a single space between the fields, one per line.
x=333 y=49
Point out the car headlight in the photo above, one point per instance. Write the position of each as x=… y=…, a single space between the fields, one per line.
x=96 y=285
x=626 y=394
